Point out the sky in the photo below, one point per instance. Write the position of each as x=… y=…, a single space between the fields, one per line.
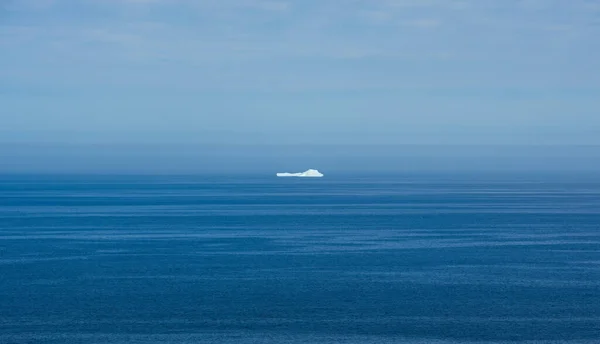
x=344 y=73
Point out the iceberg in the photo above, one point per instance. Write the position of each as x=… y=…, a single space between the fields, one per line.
x=307 y=173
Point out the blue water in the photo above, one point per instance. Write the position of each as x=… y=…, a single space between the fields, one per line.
x=395 y=259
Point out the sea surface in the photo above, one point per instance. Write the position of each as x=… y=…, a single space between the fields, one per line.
x=385 y=259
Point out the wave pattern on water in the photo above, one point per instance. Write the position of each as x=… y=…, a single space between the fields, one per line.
x=244 y=260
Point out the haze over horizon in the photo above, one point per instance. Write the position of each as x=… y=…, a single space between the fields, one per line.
x=111 y=85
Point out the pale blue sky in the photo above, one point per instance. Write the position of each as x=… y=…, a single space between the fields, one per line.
x=323 y=71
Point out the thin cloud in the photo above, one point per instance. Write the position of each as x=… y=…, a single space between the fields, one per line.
x=424 y=23
x=227 y=33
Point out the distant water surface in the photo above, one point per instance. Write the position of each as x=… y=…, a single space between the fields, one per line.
x=406 y=259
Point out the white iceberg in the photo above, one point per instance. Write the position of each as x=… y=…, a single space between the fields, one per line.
x=307 y=173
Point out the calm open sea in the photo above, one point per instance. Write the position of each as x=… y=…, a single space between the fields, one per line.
x=406 y=259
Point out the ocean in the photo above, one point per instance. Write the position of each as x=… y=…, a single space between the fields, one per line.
x=348 y=259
